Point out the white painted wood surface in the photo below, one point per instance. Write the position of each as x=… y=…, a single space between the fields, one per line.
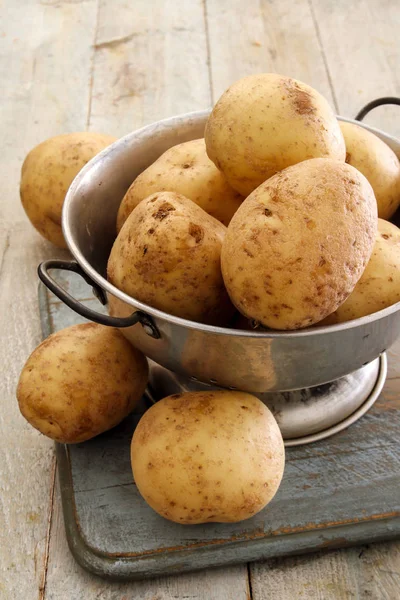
x=360 y=41
x=270 y=35
x=150 y=62
x=113 y=65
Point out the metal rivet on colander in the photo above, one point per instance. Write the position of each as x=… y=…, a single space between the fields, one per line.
x=148 y=326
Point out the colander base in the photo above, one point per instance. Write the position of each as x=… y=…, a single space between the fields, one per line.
x=306 y=415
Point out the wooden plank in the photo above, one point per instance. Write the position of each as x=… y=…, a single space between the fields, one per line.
x=135 y=82
x=45 y=50
x=27 y=458
x=323 y=576
x=66 y=580
x=45 y=59
x=149 y=63
x=376 y=570
x=362 y=51
x=367 y=572
x=275 y=36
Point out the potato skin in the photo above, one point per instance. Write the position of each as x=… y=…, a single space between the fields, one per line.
x=380 y=165
x=379 y=285
x=80 y=382
x=202 y=457
x=266 y=122
x=167 y=255
x=187 y=170
x=297 y=246
x=48 y=171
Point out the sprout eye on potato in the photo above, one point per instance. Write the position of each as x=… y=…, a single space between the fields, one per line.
x=379 y=285
x=298 y=244
x=203 y=457
x=167 y=255
x=380 y=165
x=184 y=169
x=80 y=382
x=47 y=173
x=267 y=122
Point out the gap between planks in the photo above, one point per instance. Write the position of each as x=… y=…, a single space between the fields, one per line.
x=208 y=49
x=91 y=74
x=324 y=57
x=42 y=586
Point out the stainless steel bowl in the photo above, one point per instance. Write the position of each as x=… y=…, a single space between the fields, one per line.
x=246 y=360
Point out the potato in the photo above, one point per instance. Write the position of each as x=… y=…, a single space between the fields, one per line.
x=187 y=170
x=167 y=255
x=380 y=165
x=297 y=246
x=48 y=171
x=80 y=382
x=202 y=457
x=267 y=122
x=379 y=285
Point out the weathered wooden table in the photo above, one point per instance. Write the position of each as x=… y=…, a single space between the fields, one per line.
x=111 y=66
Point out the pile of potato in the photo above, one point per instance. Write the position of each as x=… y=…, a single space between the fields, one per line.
x=298 y=197
x=273 y=214
x=273 y=218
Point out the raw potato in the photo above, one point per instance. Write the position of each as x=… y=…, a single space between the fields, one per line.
x=47 y=173
x=380 y=165
x=167 y=255
x=265 y=123
x=379 y=285
x=297 y=246
x=81 y=381
x=204 y=457
x=187 y=170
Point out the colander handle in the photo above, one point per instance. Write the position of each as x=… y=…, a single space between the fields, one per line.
x=81 y=309
x=374 y=104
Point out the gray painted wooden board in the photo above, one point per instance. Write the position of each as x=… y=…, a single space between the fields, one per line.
x=339 y=492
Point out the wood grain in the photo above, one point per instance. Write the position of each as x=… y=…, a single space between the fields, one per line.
x=26 y=457
x=362 y=52
x=323 y=576
x=366 y=573
x=45 y=81
x=275 y=35
x=149 y=64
